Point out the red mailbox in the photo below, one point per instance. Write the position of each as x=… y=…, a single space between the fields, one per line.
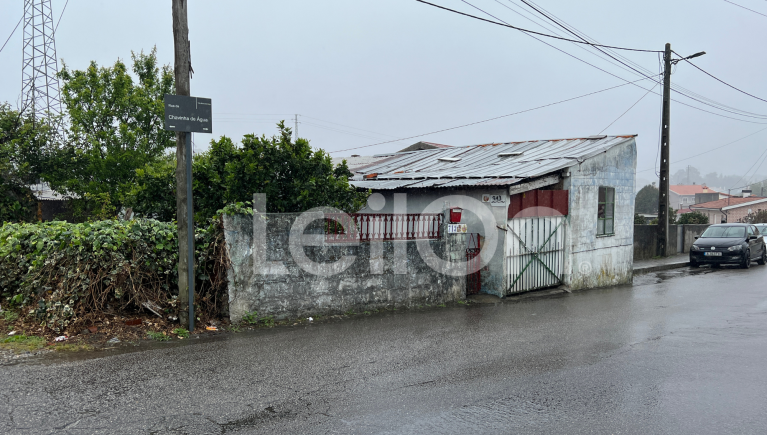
x=455 y=215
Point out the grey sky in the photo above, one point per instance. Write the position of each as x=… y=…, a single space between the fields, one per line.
x=401 y=68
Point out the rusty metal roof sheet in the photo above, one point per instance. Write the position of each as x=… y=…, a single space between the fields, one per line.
x=481 y=165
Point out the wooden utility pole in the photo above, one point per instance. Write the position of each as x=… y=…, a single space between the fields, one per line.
x=182 y=66
x=663 y=198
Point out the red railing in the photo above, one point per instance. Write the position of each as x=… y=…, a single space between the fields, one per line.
x=366 y=227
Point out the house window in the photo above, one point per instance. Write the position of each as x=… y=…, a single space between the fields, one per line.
x=606 y=212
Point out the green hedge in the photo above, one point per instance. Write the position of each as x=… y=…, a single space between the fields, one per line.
x=64 y=272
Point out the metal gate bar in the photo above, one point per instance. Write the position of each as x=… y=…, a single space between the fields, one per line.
x=535 y=256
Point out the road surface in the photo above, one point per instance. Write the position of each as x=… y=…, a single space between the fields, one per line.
x=678 y=352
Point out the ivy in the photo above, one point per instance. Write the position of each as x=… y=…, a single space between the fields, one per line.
x=62 y=271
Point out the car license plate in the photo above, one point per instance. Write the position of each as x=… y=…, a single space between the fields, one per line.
x=712 y=254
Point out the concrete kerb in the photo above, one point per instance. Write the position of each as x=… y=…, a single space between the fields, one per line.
x=660 y=267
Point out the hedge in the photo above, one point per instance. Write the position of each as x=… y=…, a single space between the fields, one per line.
x=62 y=272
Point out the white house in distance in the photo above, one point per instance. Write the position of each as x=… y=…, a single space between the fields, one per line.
x=563 y=210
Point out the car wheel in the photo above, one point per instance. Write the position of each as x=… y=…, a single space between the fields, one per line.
x=746 y=262
x=763 y=259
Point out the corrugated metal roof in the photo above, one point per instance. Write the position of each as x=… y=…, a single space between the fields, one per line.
x=480 y=164
x=432 y=182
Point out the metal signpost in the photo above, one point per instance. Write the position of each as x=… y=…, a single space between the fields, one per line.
x=189 y=115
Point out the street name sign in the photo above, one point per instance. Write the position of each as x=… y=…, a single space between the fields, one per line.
x=188 y=114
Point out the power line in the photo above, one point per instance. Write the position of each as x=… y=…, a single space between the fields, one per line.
x=347 y=126
x=14 y=31
x=745 y=8
x=716 y=105
x=530 y=31
x=62 y=14
x=709 y=151
x=490 y=119
x=627 y=110
x=749 y=169
x=720 y=80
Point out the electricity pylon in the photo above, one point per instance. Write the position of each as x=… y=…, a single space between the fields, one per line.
x=39 y=82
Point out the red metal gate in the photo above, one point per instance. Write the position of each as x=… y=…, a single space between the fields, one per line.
x=473 y=260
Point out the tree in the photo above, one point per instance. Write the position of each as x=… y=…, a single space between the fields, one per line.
x=647 y=200
x=116 y=127
x=639 y=219
x=24 y=146
x=671 y=217
x=760 y=217
x=693 y=218
x=294 y=177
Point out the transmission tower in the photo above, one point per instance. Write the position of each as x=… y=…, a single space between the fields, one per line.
x=39 y=83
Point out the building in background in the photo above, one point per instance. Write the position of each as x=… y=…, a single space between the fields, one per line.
x=732 y=209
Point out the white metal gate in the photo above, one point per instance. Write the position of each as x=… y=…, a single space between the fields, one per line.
x=535 y=253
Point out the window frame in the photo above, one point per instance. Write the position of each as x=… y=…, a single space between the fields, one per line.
x=603 y=220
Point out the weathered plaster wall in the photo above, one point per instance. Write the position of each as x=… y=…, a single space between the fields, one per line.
x=493 y=275
x=597 y=261
x=681 y=237
x=365 y=285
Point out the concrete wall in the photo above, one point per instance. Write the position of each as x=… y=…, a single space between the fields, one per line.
x=369 y=283
x=597 y=261
x=682 y=237
x=493 y=275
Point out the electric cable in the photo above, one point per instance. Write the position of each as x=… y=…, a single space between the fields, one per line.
x=490 y=119
x=627 y=110
x=745 y=8
x=709 y=151
x=62 y=14
x=743 y=113
x=761 y=117
x=752 y=167
x=12 y=33
x=719 y=80
x=531 y=31
x=347 y=126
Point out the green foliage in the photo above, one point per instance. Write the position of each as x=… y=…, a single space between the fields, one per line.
x=639 y=219
x=250 y=318
x=760 y=217
x=647 y=200
x=22 y=343
x=181 y=332
x=61 y=271
x=671 y=217
x=267 y=321
x=692 y=218
x=158 y=336
x=294 y=177
x=9 y=316
x=116 y=127
x=24 y=145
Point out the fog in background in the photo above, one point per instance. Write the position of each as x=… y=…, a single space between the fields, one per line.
x=360 y=72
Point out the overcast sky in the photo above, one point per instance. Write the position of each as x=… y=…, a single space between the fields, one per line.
x=359 y=72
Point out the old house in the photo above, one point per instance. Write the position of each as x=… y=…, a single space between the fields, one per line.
x=561 y=211
x=731 y=209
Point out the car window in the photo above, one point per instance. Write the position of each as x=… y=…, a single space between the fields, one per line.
x=761 y=228
x=750 y=230
x=724 y=232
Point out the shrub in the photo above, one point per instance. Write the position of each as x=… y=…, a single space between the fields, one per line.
x=694 y=217
x=62 y=271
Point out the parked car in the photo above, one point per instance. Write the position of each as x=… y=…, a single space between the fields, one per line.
x=762 y=228
x=729 y=244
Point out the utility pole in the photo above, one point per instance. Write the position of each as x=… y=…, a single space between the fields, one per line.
x=182 y=66
x=662 y=245
x=665 y=147
x=296 y=130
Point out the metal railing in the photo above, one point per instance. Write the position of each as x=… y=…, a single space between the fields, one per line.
x=364 y=227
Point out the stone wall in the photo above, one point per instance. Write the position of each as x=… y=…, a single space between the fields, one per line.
x=680 y=237
x=265 y=277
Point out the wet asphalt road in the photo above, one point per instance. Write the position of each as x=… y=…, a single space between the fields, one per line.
x=678 y=352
